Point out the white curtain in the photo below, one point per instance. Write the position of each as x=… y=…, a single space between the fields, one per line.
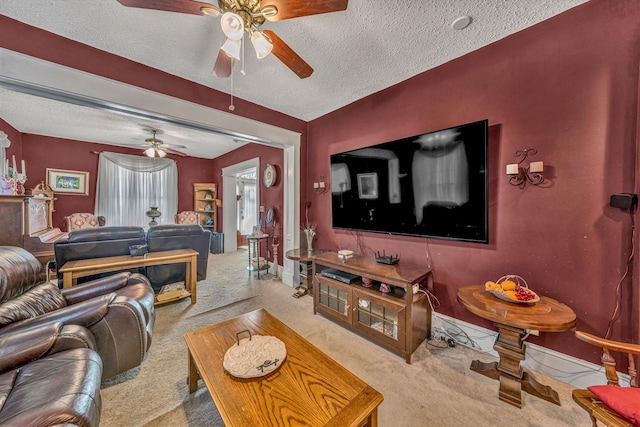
x=128 y=186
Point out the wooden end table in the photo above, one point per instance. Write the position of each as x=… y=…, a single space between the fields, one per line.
x=305 y=258
x=309 y=388
x=513 y=322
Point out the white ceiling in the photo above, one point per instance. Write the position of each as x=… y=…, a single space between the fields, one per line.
x=354 y=53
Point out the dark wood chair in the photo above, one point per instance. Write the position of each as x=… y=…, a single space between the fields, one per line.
x=598 y=410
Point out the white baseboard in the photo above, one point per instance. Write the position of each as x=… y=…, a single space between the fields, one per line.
x=560 y=366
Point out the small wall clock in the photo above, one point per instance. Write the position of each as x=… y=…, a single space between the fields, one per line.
x=269 y=176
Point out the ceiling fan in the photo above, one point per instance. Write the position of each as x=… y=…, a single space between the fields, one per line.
x=240 y=16
x=157 y=148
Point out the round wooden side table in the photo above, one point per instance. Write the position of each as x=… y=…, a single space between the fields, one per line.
x=305 y=257
x=513 y=322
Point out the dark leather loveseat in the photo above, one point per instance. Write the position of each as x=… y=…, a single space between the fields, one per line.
x=50 y=376
x=118 y=310
x=115 y=240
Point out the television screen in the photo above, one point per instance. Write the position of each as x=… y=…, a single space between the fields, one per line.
x=433 y=185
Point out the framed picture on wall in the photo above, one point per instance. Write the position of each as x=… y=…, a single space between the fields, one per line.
x=368 y=185
x=68 y=182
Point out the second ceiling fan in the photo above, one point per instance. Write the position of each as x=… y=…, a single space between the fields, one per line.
x=240 y=16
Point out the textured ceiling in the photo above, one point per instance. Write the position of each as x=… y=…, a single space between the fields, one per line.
x=354 y=53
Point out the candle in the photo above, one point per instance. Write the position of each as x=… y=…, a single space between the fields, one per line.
x=537 y=167
x=14 y=164
x=512 y=169
x=6 y=168
x=24 y=173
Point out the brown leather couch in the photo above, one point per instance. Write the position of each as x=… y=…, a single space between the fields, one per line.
x=49 y=375
x=117 y=310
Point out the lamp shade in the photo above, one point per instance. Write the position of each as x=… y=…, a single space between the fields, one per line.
x=150 y=152
x=260 y=43
x=232 y=25
x=232 y=48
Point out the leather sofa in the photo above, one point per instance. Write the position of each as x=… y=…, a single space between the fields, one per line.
x=168 y=237
x=97 y=243
x=115 y=240
x=50 y=376
x=117 y=310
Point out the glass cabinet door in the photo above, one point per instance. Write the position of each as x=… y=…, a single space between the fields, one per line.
x=380 y=315
x=334 y=299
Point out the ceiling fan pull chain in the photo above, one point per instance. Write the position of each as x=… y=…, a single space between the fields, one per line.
x=231 y=106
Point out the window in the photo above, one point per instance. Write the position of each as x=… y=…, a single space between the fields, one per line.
x=128 y=186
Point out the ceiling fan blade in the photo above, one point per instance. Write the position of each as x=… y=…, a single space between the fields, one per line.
x=175 y=152
x=288 y=9
x=288 y=57
x=181 y=6
x=163 y=146
x=222 y=67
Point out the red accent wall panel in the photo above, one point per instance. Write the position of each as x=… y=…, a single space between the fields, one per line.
x=569 y=88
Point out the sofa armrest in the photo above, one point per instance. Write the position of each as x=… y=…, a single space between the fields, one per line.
x=102 y=286
x=25 y=345
x=85 y=313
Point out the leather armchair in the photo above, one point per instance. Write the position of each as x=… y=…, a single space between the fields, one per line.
x=118 y=310
x=79 y=221
x=50 y=375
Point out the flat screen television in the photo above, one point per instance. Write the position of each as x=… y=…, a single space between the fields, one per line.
x=432 y=185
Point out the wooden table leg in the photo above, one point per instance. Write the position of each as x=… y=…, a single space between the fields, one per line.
x=192 y=377
x=67 y=279
x=513 y=380
x=192 y=276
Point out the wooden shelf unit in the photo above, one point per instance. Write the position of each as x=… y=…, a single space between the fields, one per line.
x=398 y=321
x=205 y=202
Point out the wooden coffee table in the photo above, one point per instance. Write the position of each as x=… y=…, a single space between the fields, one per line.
x=513 y=322
x=309 y=388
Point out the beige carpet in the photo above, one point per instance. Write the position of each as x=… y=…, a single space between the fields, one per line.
x=437 y=389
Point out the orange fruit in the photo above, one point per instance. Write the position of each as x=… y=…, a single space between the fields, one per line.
x=509 y=285
x=490 y=286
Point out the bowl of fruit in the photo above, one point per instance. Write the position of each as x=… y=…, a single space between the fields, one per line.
x=512 y=288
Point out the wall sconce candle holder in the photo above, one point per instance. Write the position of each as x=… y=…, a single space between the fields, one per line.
x=321 y=186
x=519 y=174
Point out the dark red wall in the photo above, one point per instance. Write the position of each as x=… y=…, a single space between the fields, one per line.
x=567 y=87
x=41 y=152
x=272 y=196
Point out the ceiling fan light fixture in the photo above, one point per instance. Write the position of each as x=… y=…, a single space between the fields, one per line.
x=260 y=43
x=232 y=25
x=160 y=153
x=232 y=48
x=150 y=152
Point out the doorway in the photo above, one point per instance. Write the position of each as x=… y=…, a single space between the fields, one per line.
x=247 y=206
x=233 y=205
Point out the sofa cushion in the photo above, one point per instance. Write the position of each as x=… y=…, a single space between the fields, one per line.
x=624 y=400
x=37 y=301
x=106 y=233
x=63 y=388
